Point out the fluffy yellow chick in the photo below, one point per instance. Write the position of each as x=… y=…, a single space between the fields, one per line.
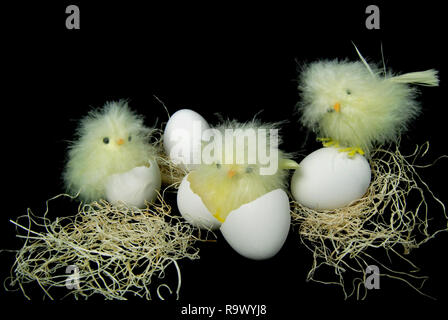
x=110 y=140
x=355 y=105
x=226 y=185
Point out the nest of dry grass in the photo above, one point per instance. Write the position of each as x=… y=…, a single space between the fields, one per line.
x=383 y=218
x=171 y=173
x=102 y=250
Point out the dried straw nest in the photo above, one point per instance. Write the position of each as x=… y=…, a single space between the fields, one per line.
x=103 y=250
x=171 y=173
x=344 y=239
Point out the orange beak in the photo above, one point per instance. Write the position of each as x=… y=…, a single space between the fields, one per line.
x=120 y=141
x=337 y=107
x=231 y=173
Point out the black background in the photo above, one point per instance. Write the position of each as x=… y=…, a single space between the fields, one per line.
x=217 y=57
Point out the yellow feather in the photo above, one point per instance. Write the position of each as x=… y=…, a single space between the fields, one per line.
x=422 y=78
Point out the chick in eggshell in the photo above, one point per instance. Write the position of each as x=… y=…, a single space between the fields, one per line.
x=242 y=195
x=112 y=158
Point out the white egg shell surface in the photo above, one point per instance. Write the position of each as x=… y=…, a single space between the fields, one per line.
x=258 y=229
x=192 y=208
x=182 y=137
x=330 y=179
x=133 y=187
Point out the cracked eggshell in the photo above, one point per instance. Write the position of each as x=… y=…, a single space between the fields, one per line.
x=135 y=186
x=182 y=137
x=258 y=229
x=330 y=179
x=193 y=209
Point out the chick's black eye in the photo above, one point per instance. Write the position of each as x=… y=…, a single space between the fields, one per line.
x=106 y=140
x=249 y=169
x=218 y=165
x=129 y=138
x=348 y=91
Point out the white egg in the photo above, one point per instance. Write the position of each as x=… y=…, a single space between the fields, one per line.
x=135 y=186
x=258 y=229
x=182 y=137
x=193 y=209
x=330 y=179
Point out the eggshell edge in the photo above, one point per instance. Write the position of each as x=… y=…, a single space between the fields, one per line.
x=188 y=201
x=245 y=231
x=150 y=195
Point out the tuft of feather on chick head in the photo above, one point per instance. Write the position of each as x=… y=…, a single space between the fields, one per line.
x=357 y=104
x=238 y=174
x=109 y=140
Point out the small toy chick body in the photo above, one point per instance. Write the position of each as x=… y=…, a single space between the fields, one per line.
x=111 y=140
x=226 y=185
x=355 y=106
